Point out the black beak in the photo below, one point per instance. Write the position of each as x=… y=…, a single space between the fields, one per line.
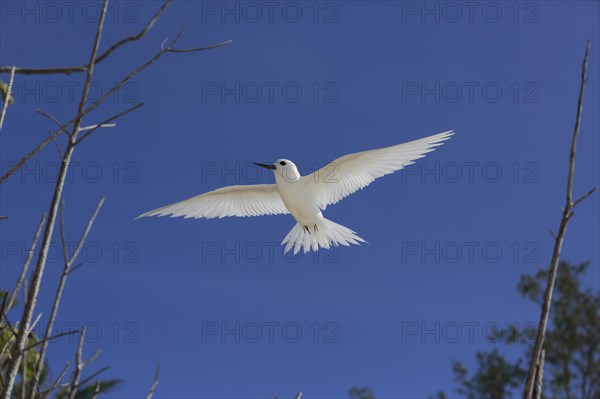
x=265 y=165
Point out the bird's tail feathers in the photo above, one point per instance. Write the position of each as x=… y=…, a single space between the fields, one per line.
x=322 y=235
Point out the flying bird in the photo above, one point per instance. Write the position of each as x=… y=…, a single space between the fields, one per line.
x=305 y=197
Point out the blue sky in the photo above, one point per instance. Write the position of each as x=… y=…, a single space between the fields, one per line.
x=214 y=301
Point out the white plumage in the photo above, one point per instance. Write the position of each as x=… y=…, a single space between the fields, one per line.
x=306 y=196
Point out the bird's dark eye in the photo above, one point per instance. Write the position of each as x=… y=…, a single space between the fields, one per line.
x=282 y=163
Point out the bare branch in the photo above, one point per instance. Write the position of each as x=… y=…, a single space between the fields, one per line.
x=154 y=383
x=36 y=237
x=584 y=196
x=61 y=229
x=196 y=49
x=22 y=161
x=34 y=323
x=78 y=366
x=47 y=71
x=94 y=127
x=91 y=359
x=24 y=377
x=102 y=57
x=138 y=36
x=31 y=153
x=7 y=98
x=567 y=213
x=85 y=233
x=109 y=93
x=62 y=282
x=47 y=115
x=112 y=118
x=539 y=376
x=46 y=393
x=55 y=121
x=94 y=375
x=96 y=390
x=51 y=338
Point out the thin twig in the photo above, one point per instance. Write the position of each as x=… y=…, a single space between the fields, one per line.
x=138 y=36
x=154 y=383
x=51 y=338
x=78 y=366
x=196 y=49
x=56 y=122
x=96 y=390
x=91 y=359
x=109 y=93
x=94 y=375
x=112 y=118
x=69 y=260
x=584 y=196
x=8 y=94
x=36 y=237
x=47 y=115
x=34 y=323
x=34 y=151
x=46 y=393
x=84 y=68
x=98 y=126
x=566 y=216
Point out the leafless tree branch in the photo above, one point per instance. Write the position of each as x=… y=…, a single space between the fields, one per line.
x=78 y=366
x=55 y=121
x=51 y=338
x=69 y=260
x=24 y=377
x=539 y=376
x=567 y=212
x=138 y=36
x=109 y=93
x=30 y=253
x=102 y=57
x=56 y=383
x=96 y=390
x=94 y=375
x=154 y=383
x=196 y=49
x=112 y=118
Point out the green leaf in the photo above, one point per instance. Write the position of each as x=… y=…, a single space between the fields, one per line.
x=4 y=92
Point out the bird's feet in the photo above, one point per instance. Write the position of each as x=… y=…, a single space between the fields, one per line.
x=315 y=229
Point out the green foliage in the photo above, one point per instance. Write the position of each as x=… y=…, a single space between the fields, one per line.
x=8 y=340
x=494 y=379
x=572 y=344
x=360 y=393
x=4 y=93
x=31 y=358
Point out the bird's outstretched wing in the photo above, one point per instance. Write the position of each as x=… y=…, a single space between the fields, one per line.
x=252 y=200
x=353 y=172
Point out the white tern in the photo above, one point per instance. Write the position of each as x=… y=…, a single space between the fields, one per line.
x=305 y=197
